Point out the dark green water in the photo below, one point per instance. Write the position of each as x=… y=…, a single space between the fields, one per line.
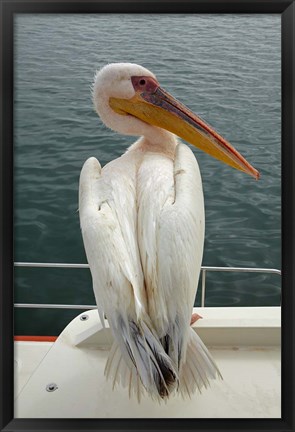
x=224 y=67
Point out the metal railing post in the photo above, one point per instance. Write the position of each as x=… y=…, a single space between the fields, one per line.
x=203 y=293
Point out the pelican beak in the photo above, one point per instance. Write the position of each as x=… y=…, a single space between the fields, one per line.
x=155 y=106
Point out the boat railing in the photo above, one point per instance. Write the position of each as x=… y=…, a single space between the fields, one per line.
x=204 y=271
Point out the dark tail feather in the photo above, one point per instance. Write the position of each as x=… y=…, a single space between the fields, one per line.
x=141 y=349
x=194 y=364
x=173 y=343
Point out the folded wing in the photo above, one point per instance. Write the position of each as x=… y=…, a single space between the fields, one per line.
x=171 y=226
x=107 y=207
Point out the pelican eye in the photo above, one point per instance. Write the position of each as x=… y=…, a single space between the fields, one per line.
x=142 y=82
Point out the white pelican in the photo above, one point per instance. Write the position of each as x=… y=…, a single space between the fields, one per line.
x=142 y=221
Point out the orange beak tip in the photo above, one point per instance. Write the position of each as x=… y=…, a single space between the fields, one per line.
x=257 y=175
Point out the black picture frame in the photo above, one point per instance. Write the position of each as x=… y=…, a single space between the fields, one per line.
x=287 y=11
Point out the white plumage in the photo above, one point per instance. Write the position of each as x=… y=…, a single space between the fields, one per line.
x=142 y=221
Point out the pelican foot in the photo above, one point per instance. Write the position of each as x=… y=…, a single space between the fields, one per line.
x=195 y=318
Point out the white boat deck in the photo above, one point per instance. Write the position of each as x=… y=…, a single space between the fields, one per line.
x=245 y=343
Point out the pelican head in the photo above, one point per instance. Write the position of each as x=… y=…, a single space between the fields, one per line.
x=128 y=98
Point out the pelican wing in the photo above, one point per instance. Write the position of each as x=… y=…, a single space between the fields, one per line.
x=107 y=208
x=181 y=239
x=171 y=237
x=108 y=235
x=171 y=234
